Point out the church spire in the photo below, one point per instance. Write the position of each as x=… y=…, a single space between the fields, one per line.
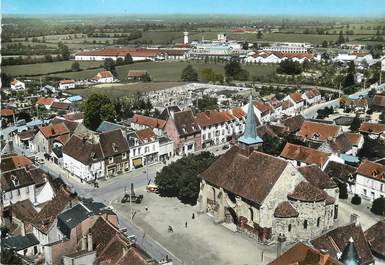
x=349 y=255
x=250 y=136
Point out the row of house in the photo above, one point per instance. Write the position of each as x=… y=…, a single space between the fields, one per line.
x=276 y=57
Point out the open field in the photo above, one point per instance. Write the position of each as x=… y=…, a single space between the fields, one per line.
x=44 y=68
x=159 y=71
x=121 y=90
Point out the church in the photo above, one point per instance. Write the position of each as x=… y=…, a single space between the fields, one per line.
x=265 y=196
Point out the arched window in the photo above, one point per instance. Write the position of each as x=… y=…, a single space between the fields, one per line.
x=251 y=214
x=214 y=196
x=305 y=224
x=318 y=221
x=289 y=228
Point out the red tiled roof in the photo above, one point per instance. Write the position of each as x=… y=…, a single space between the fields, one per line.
x=238 y=113
x=148 y=121
x=354 y=138
x=6 y=112
x=296 y=97
x=54 y=130
x=69 y=81
x=136 y=73
x=285 y=210
x=262 y=107
x=373 y=128
x=372 y=170
x=294 y=123
x=379 y=100
x=146 y=135
x=304 y=154
x=324 y=131
x=45 y=101
x=212 y=117
x=14 y=162
x=287 y=104
x=306 y=192
x=302 y=254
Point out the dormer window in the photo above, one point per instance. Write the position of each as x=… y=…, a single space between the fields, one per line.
x=375 y=172
x=92 y=155
x=184 y=130
x=114 y=147
x=15 y=181
x=316 y=136
x=111 y=159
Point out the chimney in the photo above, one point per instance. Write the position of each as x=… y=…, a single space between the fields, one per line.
x=89 y=242
x=84 y=242
x=281 y=239
x=354 y=219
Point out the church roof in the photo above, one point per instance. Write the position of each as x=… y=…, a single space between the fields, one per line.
x=250 y=136
x=349 y=255
x=251 y=177
x=285 y=210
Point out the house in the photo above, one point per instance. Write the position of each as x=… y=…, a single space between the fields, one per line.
x=166 y=112
x=303 y=254
x=73 y=124
x=357 y=105
x=67 y=84
x=137 y=75
x=312 y=96
x=144 y=148
x=139 y=122
x=166 y=148
x=345 y=143
x=103 y=77
x=47 y=89
x=20 y=180
x=18 y=217
x=294 y=123
x=17 y=85
x=7 y=116
x=93 y=156
x=379 y=102
x=182 y=128
x=297 y=100
x=341 y=173
x=343 y=239
x=24 y=245
x=61 y=106
x=216 y=127
x=375 y=236
x=73 y=226
x=240 y=115
x=370 y=180
x=56 y=134
x=45 y=103
x=262 y=111
x=318 y=132
x=44 y=224
x=373 y=130
x=300 y=155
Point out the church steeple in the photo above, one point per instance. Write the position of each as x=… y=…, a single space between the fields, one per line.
x=349 y=255
x=250 y=137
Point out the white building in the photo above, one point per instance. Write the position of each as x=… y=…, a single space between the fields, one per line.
x=166 y=148
x=297 y=100
x=67 y=84
x=370 y=180
x=103 y=77
x=289 y=47
x=17 y=85
x=312 y=96
x=144 y=148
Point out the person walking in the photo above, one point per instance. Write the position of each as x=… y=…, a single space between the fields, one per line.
x=193 y=216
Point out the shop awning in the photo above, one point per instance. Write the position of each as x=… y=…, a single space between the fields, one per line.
x=137 y=162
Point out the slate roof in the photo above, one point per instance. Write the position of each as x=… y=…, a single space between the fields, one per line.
x=77 y=214
x=60 y=105
x=185 y=123
x=251 y=177
x=294 y=123
x=306 y=192
x=27 y=134
x=336 y=240
x=304 y=154
x=317 y=177
x=148 y=121
x=12 y=162
x=322 y=130
x=45 y=101
x=301 y=254
x=339 y=171
x=83 y=150
x=285 y=210
x=106 y=126
x=375 y=236
x=23 y=210
x=113 y=143
x=20 y=242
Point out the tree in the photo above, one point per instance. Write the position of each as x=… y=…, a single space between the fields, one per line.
x=289 y=67
x=75 y=66
x=189 y=74
x=180 y=178
x=356 y=123
x=207 y=75
x=272 y=145
x=64 y=51
x=349 y=79
x=324 y=44
x=98 y=108
x=109 y=65
x=259 y=34
x=207 y=103
x=146 y=77
x=341 y=38
x=128 y=59
x=378 y=206
x=356 y=200
x=233 y=70
x=343 y=187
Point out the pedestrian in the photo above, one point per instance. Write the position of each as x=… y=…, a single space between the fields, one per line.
x=193 y=216
x=146 y=209
x=185 y=224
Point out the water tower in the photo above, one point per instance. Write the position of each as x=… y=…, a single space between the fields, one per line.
x=185 y=39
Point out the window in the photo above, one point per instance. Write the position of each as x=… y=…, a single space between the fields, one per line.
x=289 y=228
x=251 y=214
x=318 y=221
x=27 y=190
x=146 y=149
x=18 y=192
x=133 y=152
x=305 y=224
x=124 y=155
x=153 y=147
x=111 y=160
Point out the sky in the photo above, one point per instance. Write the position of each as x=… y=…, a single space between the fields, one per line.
x=329 y=8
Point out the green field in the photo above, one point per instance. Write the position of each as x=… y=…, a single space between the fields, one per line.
x=44 y=68
x=121 y=90
x=167 y=71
